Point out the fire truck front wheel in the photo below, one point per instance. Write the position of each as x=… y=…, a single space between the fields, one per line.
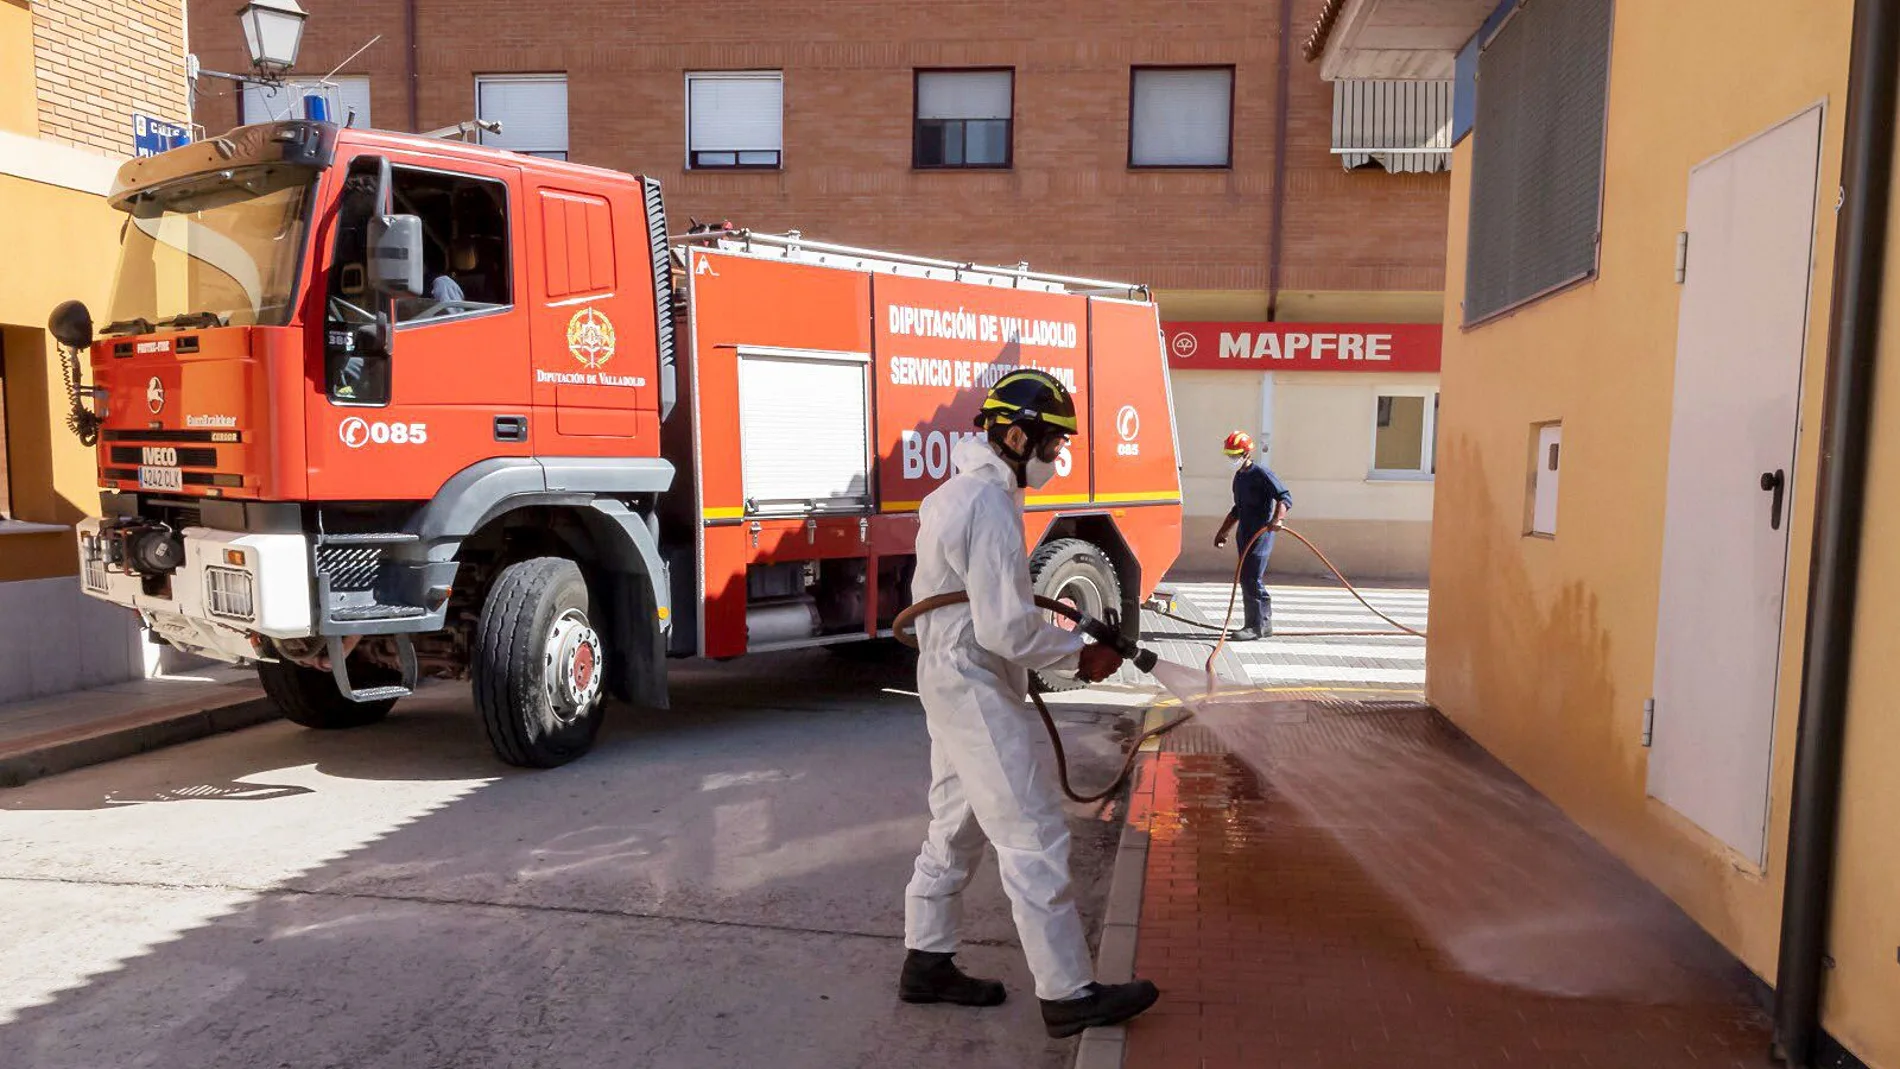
x=539 y=664
x=308 y=697
x=1078 y=573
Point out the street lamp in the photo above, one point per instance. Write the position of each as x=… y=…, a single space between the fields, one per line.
x=272 y=31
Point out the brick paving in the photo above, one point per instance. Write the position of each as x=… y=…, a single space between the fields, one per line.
x=1354 y=883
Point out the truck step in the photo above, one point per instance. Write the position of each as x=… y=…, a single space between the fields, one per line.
x=370 y=538
x=360 y=613
x=340 y=670
x=377 y=694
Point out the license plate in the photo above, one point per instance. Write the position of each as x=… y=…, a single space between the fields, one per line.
x=151 y=478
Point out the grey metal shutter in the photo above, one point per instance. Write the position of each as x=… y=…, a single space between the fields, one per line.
x=805 y=430
x=532 y=110
x=1537 y=167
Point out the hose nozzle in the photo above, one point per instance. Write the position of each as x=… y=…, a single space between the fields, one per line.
x=1108 y=632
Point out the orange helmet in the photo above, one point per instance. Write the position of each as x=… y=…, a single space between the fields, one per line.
x=1238 y=444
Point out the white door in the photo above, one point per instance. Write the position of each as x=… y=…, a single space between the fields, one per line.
x=1739 y=343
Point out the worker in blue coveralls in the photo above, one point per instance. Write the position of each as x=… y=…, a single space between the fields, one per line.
x=1261 y=502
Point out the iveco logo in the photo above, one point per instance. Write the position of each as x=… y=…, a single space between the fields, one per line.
x=155 y=395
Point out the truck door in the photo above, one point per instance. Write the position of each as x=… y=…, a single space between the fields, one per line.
x=452 y=387
x=595 y=371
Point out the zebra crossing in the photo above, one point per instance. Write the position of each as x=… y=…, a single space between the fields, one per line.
x=1290 y=658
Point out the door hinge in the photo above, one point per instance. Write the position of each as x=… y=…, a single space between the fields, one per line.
x=1682 y=255
x=1649 y=721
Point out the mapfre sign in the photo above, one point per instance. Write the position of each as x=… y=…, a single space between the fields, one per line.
x=1304 y=346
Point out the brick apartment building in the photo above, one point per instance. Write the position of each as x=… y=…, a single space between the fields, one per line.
x=1143 y=139
x=77 y=83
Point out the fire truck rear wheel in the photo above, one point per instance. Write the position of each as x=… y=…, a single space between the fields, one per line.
x=539 y=664
x=1077 y=572
x=309 y=697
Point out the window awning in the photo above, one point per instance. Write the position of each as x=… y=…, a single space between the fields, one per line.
x=1403 y=126
x=1393 y=39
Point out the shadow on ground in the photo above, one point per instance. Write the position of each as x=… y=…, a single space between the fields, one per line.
x=716 y=885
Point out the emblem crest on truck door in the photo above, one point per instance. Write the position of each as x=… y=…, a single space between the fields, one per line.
x=590 y=337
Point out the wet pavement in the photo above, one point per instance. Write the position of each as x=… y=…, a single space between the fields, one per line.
x=1354 y=883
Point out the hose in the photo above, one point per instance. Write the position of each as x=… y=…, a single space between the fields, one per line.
x=1233 y=591
x=901 y=629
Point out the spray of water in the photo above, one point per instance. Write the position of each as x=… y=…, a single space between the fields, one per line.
x=1195 y=688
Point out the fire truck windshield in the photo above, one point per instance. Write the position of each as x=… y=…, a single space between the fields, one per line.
x=213 y=249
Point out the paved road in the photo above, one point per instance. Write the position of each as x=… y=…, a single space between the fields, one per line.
x=714 y=886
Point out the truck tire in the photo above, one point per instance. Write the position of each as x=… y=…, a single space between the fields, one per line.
x=539 y=665
x=1079 y=573
x=309 y=697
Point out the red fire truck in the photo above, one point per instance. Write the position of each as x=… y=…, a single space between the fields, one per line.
x=372 y=407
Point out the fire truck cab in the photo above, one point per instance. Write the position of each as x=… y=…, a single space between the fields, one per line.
x=372 y=407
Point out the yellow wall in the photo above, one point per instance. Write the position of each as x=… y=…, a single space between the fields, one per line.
x=61 y=243
x=1544 y=649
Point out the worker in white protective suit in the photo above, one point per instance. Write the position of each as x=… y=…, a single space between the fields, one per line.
x=991 y=775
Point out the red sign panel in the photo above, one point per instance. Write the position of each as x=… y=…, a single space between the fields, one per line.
x=939 y=346
x=1304 y=346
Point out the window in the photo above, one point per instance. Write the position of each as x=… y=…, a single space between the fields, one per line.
x=963 y=118
x=735 y=120
x=1181 y=117
x=466 y=267
x=346 y=94
x=1537 y=165
x=1546 y=455
x=1404 y=436
x=1404 y=127
x=791 y=462
x=532 y=111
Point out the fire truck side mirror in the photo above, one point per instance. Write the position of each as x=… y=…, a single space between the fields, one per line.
x=395 y=255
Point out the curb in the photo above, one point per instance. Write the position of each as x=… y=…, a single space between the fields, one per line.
x=1105 y=1048
x=51 y=753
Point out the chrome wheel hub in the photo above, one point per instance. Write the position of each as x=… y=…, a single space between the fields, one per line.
x=1081 y=594
x=574 y=666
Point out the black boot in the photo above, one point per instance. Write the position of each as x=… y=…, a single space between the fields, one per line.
x=929 y=977
x=1105 y=1004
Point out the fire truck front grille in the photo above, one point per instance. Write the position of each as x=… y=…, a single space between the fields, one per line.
x=352 y=569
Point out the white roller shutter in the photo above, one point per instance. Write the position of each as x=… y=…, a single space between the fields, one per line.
x=1181 y=117
x=346 y=94
x=734 y=112
x=532 y=111
x=963 y=94
x=804 y=426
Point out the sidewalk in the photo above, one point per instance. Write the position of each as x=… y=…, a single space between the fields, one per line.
x=1338 y=883
x=49 y=735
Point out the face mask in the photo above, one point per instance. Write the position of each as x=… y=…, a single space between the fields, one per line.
x=1038 y=472
x=1239 y=463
